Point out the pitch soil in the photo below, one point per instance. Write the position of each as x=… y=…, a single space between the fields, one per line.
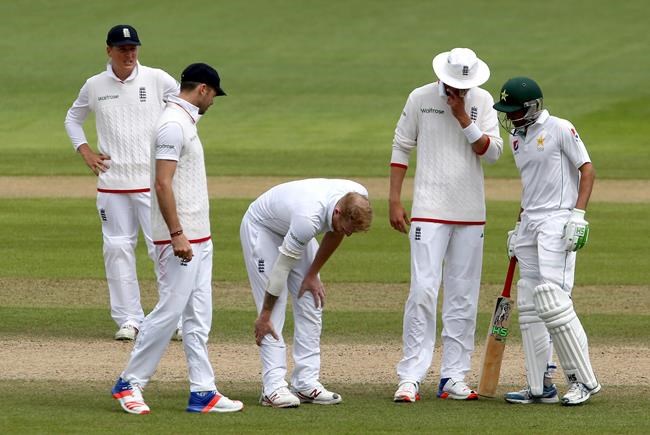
x=28 y=357
x=631 y=191
x=39 y=359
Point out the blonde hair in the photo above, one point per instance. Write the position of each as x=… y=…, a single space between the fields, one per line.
x=356 y=208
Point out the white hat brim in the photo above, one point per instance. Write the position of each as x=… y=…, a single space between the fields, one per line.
x=439 y=67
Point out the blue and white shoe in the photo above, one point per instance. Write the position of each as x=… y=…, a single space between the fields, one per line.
x=130 y=397
x=458 y=390
x=549 y=395
x=212 y=401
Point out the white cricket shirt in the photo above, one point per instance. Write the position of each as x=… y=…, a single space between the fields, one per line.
x=125 y=116
x=300 y=210
x=548 y=159
x=177 y=139
x=448 y=185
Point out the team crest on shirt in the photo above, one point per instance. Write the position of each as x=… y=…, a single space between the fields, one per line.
x=575 y=135
x=473 y=113
x=540 y=143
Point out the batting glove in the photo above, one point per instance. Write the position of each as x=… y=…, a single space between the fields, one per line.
x=510 y=243
x=576 y=231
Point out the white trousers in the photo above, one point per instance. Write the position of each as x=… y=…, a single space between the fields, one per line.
x=260 y=248
x=121 y=215
x=452 y=254
x=542 y=259
x=185 y=289
x=540 y=250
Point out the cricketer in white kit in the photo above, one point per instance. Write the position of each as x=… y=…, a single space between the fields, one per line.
x=181 y=234
x=127 y=99
x=452 y=124
x=557 y=178
x=282 y=256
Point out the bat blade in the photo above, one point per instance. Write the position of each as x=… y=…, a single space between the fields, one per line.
x=495 y=343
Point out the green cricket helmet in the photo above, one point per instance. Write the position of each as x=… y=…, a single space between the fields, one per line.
x=519 y=93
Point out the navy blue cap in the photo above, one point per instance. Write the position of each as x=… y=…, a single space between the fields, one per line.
x=122 y=34
x=203 y=73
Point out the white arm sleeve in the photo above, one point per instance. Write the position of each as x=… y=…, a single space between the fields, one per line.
x=169 y=85
x=169 y=142
x=301 y=231
x=572 y=145
x=490 y=126
x=406 y=134
x=279 y=274
x=75 y=118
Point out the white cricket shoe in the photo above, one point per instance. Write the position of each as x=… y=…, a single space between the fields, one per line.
x=578 y=393
x=280 y=398
x=178 y=335
x=458 y=390
x=318 y=395
x=130 y=397
x=407 y=392
x=525 y=397
x=127 y=332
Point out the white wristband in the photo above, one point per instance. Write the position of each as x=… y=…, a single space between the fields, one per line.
x=472 y=133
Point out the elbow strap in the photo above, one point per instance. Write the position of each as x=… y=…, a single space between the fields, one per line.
x=279 y=274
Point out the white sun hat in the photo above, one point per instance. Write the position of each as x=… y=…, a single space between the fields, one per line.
x=461 y=68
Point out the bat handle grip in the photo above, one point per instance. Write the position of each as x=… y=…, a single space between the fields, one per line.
x=509 y=276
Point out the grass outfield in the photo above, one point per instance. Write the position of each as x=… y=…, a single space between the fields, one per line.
x=62 y=239
x=315 y=87
x=73 y=406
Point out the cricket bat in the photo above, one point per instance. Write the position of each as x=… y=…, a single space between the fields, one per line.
x=496 y=339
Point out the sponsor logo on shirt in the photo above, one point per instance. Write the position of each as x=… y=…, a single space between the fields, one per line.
x=108 y=97
x=431 y=110
x=473 y=113
x=515 y=145
x=260 y=265
x=296 y=239
x=163 y=146
x=143 y=94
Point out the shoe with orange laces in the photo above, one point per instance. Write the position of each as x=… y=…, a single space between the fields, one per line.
x=458 y=390
x=130 y=397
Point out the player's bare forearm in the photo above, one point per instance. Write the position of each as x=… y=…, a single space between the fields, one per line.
x=267 y=305
x=480 y=146
x=165 y=170
x=328 y=245
x=587 y=178
x=397 y=215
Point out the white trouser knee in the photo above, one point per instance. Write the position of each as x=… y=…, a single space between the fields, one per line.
x=534 y=336
x=556 y=310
